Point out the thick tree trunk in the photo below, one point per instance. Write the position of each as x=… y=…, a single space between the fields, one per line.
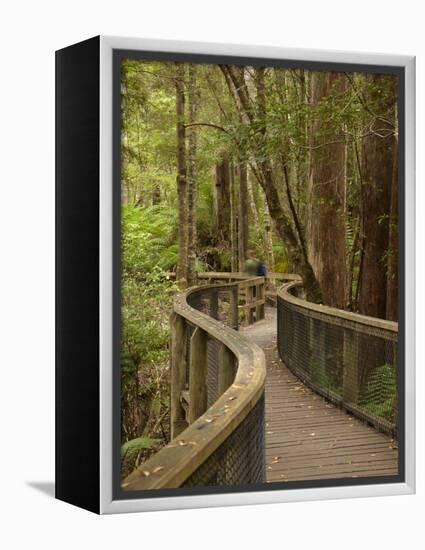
x=377 y=177
x=284 y=229
x=182 y=262
x=245 y=105
x=392 y=267
x=191 y=176
x=327 y=198
x=243 y=217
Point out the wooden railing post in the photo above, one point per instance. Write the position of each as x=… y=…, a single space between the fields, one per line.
x=178 y=373
x=198 y=374
x=249 y=300
x=226 y=369
x=351 y=366
x=259 y=310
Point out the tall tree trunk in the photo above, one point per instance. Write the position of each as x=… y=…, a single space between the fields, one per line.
x=392 y=267
x=182 y=262
x=377 y=176
x=243 y=216
x=327 y=197
x=191 y=176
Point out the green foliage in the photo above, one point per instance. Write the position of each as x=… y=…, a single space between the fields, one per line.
x=148 y=248
x=132 y=447
x=378 y=395
x=144 y=322
x=148 y=239
x=132 y=450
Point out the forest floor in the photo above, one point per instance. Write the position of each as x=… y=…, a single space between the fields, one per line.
x=307 y=437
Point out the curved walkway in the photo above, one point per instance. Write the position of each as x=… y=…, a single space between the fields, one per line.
x=306 y=436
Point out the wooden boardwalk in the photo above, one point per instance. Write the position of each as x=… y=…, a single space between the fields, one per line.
x=306 y=436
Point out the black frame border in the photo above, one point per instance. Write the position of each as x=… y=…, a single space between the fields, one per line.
x=77 y=184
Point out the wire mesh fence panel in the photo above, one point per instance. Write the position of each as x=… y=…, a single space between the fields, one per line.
x=350 y=362
x=213 y=348
x=240 y=459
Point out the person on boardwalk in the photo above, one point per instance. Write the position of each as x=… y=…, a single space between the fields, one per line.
x=252 y=264
x=255 y=267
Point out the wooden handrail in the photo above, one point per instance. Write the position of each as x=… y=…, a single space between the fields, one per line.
x=336 y=314
x=238 y=275
x=175 y=463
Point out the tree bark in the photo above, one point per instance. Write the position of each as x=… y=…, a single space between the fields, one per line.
x=327 y=197
x=183 y=234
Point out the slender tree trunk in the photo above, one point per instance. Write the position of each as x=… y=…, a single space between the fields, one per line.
x=243 y=217
x=234 y=222
x=191 y=176
x=268 y=230
x=326 y=198
x=377 y=175
x=253 y=209
x=182 y=262
x=222 y=201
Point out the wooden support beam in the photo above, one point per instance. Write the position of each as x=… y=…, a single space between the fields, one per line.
x=259 y=309
x=198 y=374
x=226 y=369
x=178 y=373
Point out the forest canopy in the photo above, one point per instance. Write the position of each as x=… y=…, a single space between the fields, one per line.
x=297 y=166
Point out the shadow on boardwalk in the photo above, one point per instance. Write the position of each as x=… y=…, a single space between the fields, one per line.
x=306 y=436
